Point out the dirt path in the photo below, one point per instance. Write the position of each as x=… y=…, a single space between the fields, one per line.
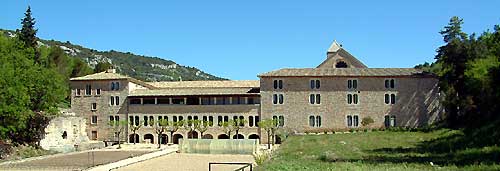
x=189 y=162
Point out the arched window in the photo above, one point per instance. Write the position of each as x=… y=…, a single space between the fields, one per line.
x=311 y=121
x=393 y=99
x=250 y=121
x=318 y=121
x=341 y=64
x=393 y=120
x=281 y=121
x=386 y=100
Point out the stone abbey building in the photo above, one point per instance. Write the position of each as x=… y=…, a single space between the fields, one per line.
x=336 y=95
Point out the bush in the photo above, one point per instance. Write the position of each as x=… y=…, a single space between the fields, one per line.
x=262 y=157
x=367 y=121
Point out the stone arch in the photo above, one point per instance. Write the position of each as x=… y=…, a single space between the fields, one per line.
x=193 y=134
x=150 y=138
x=239 y=136
x=207 y=136
x=253 y=136
x=277 y=140
x=176 y=138
x=133 y=138
x=163 y=139
x=222 y=136
x=341 y=64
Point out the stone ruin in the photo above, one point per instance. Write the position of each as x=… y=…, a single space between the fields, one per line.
x=66 y=133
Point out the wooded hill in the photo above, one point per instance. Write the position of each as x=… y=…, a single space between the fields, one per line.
x=145 y=68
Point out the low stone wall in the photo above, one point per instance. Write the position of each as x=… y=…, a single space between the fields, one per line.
x=219 y=146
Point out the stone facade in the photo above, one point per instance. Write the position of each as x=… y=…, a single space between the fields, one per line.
x=389 y=96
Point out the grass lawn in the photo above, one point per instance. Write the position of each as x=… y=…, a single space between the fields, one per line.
x=382 y=150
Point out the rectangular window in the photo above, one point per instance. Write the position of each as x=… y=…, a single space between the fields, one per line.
x=219 y=120
x=117 y=100
x=148 y=101
x=387 y=121
x=257 y=120
x=111 y=118
x=278 y=84
x=94 y=135
x=393 y=121
x=315 y=98
x=355 y=120
x=135 y=101
x=98 y=91
x=315 y=84
x=211 y=120
x=281 y=120
x=177 y=101
x=278 y=99
x=117 y=118
x=352 y=98
x=349 y=121
x=93 y=119
x=312 y=121
x=136 y=120
x=78 y=92
x=115 y=85
x=352 y=84
x=112 y=100
x=88 y=90
x=151 y=120
x=389 y=83
x=386 y=98
x=250 y=121
x=318 y=121
x=145 y=121
x=226 y=118
x=393 y=98
x=163 y=101
x=94 y=106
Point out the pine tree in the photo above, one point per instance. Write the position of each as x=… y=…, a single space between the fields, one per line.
x=27 y=34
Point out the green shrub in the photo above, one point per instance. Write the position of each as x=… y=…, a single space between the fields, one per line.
x=262 y=157
x=329 y=156
x=367 y=121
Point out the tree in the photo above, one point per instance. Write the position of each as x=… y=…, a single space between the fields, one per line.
x=134 y=128
x=160 y=127
x=102 y=66
x=27 y=34
x=172 y=127
x=229 y=126
x=190 y=126
x=238 y=124
x=453 y=57
x=118 y=127
x=367 y=121
x=202 y=126
x=267 y=125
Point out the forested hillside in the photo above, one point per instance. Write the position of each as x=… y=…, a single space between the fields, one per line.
x=141 y=67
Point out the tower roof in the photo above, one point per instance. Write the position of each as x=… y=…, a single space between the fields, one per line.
x=334 y=47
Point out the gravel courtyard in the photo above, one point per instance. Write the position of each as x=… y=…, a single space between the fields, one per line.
x=189 y=162
x=76 y=161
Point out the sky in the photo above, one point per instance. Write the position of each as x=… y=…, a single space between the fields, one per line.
x=241 y=39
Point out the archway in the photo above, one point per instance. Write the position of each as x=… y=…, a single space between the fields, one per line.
x=253 y=136
x=222 y=136
x=239 y=136
x=207 y=136
x=176 y=138
x=133 y=138
x=193 y=135
x=277 y=140
x=163 y=139
x=150 y=138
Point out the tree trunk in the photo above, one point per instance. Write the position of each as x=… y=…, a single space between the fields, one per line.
x=236 y=134
x=159 y=143
x=172 y=137
x=268 y=140
x=134 y=138
x=273 y=136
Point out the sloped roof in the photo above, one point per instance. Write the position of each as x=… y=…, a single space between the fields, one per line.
x=206 y=84
x=193 y=91
x=337 y=49
x=346 y=72
x=334 y=47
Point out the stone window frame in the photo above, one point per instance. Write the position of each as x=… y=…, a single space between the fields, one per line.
x=280 y=120
x=88 y=90
x=98 y=92
x=391 y=97
x=314 y=83
x=115 y=85
x=352 y=88
x=319 y=121
x=317 y=98
x=93 y=119
x=278 y=95
x=78 y=92
x=390 y=85
x=93 y=106
x=353 y=124
x=353 y=95
x=278 y=84
x=92 y=135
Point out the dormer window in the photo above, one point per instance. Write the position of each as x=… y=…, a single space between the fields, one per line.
x=341 y=64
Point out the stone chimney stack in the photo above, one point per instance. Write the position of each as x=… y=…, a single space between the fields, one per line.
x=111 y=70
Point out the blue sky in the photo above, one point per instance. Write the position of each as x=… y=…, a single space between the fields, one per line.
x=240 y=39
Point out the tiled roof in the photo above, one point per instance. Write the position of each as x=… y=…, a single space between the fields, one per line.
x=192 y=91
x=206 y=84
x=366 y=72
x=100 y=76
